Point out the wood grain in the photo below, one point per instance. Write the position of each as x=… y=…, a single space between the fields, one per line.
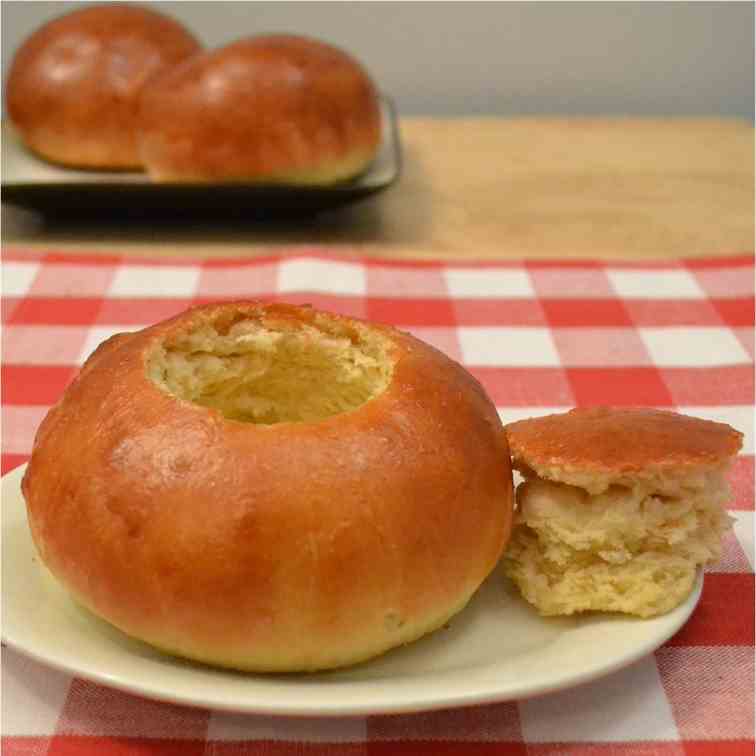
x=495 y=188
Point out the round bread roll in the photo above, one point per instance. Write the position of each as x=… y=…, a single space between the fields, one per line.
x=272 y=108
x=619 y=508
x=74 y=85
x=270 y=487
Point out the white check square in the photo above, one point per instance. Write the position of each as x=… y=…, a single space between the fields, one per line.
x=20 y=425
x=227 y=727
x=693 y=347
x=98 y=334
x=321 y=276
x=630 y=706
x=484 y=283
x=42 y=344
x=655 y=284
x=743 y=527
x=507 y=346
x=739 y=416
x=17 y=278
x=154 y=281
x=33 y=696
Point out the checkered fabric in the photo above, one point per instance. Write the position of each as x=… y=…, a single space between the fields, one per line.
x=541 y=337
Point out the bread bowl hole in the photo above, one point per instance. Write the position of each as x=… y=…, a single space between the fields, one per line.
x=258 y=370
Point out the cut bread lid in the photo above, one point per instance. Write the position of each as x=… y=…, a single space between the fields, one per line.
x=597 y=447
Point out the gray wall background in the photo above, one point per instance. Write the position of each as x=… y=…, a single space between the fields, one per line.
x=456 y=58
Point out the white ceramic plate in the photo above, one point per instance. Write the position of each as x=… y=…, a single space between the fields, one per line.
x=497 y=649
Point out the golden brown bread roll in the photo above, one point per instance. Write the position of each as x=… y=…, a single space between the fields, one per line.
x=74 y=84
x=271 y=488
x=619 y=508
x=271 y=108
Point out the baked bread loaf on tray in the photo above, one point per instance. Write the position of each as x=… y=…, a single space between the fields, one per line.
x=270 y=487
x=619 y=508
x=74 y=85
x=273 y=108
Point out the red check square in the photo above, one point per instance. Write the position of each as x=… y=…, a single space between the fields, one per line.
x=585 y=312
x=619 y=387
x=26 y=746
x=56 y=311
x=725 y=594
x=497 y=722
x=75 y=745
x=710 y=690
x=431 y=748
x=498 y=312
x=35 y=384
x=719 y=747
x=410 y=312
x=652 y=748
x=735 y=312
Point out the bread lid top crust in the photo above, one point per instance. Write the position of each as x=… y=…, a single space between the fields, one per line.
x=596 y=447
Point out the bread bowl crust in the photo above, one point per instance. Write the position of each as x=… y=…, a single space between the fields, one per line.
x=74 y=84
x=293 y=546
x=273 y=108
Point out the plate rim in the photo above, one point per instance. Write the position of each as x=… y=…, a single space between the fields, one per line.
x=437 y=696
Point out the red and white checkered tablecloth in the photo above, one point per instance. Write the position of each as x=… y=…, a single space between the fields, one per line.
x=541 y=337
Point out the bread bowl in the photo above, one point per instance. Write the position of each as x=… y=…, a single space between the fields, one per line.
x=270 y=487
x=73 y=88
x=274 y=108
x=619 y=508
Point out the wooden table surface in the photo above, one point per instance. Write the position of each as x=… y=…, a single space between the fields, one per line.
x=495 y=188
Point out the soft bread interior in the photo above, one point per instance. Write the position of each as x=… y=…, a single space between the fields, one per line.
x=274 y=372
x=628 y=549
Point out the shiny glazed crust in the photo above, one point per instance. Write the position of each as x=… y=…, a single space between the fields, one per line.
x=272 y=108
x=74 y=84
x=595 y=447
x=293 y=546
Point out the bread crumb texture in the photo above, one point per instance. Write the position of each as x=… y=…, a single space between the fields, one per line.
x=256 y=371
x=628 y=549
